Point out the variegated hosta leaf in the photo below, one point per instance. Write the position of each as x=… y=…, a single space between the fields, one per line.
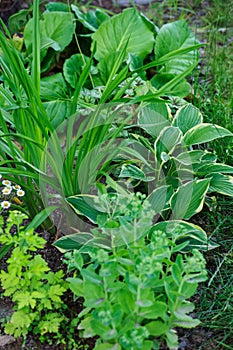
x=159 y=197
x=204 y=133
x=222 y=184
x=189 y=199
x=187 y=117
x=196 y=156
x=154 y=117
x=194 y=235
x=207 y=169
x=168 y=138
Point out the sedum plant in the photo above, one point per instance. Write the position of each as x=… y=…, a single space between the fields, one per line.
x=35 y=290
x=135 y=296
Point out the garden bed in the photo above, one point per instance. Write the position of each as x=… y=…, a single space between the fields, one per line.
x=215 y=218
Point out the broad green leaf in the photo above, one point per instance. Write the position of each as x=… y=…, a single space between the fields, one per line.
x=17 y=21
x=187 y=117
x=91 y=276
x=204 y=133
x=73 y=67
x=156 y=328
x=126 y=299
x=221 y=184
x=189 y=199
x=186 y=232
x=56 y=31
x=92 y=19
x=58 y=111
x=106 y=64
x=159 y=197
x=126 y=29
x=56 y=6
x=53 y=88
x=168 y=138
x=182 y=89
x=154 y=117
x=174 y=36
x=183 y=231
x=185 y=321
x=172 y=339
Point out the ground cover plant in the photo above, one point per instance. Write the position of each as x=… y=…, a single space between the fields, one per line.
x=84 y=118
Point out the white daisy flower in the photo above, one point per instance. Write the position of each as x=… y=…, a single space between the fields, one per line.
x=20 y=193
x=0 y=176
x=5 y=204
x=7 y=190
x=6 y=183
x=17 y=187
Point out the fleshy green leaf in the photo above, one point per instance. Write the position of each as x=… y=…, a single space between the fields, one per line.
x=54 y=87
x=185 y=232
x=156 y=328
x=85 y=205
x=58 y=111
x=73 y=67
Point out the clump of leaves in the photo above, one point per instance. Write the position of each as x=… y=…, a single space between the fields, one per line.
x=35 y=290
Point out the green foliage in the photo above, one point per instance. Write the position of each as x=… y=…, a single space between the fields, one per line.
x=32 y=108
x=34 y=289
x=135 y=296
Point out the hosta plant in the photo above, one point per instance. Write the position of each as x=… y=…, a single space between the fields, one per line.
x=163 y=156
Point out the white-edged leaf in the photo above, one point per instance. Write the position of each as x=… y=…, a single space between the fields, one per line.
x=187 y=117
x=204 y=132
x=85 y=205
x=190 y=157
x=222 y=184
x=168 y=138
x=159 y=197
x=194 y=235
x=208 y=169
x=154 y=117
x=189 y=199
